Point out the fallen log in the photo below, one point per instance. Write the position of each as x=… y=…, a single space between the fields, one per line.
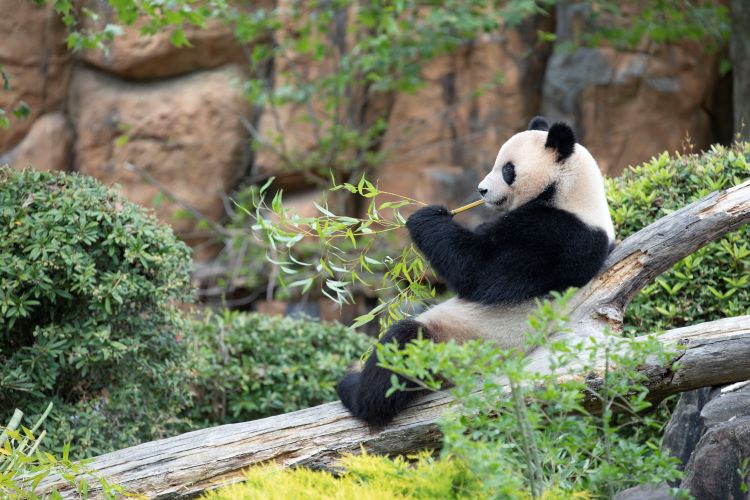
x=708 y=354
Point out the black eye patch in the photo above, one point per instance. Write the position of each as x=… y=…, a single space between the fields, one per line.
x=509 y=173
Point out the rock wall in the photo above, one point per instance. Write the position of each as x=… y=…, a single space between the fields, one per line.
x=147 y=115
x=628 y=106
x=144 y=116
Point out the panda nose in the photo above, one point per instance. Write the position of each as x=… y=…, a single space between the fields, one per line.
x=482 y=191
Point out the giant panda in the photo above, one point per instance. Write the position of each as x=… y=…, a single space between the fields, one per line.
x=552 y=230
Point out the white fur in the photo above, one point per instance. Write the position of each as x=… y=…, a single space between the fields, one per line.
x=580 y=186
x=461 y=320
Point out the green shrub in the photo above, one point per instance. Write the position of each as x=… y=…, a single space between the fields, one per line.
x=251 y=365
x=710 y=284
x=367 y=477
x=87 y=281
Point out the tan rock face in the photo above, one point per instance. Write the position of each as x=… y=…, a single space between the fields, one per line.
x=629 y=106
x=448 y=121
x=47 y=146
x=35 y=59
x=133 y=55
x=185 y=133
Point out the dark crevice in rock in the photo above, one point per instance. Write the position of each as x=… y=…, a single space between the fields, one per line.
x=450 y=99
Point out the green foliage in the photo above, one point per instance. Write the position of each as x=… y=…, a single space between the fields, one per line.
x=366 y=477
x=523 y=430
x=336 y=253
x=250 y=366
x=625 y=24
x=21 y=109
x=87 y=280
x=521 y=433
x=710 y=284
x=24 y=464
x=369 y=477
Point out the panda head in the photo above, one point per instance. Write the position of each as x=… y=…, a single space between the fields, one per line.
x=545 y=163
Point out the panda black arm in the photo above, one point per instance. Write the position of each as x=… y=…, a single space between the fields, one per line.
x=529 y=253
x=451 y=249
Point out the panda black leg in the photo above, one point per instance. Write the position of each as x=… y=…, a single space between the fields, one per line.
x=363 y=393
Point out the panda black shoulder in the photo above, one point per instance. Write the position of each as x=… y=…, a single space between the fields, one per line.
x=544 y=249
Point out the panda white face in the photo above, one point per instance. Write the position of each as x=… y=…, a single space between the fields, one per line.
x=532 y=161
x=524 y=168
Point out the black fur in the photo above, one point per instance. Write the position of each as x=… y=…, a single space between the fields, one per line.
x=548 y=195
x=529 y=252
x=363 y=393
x=538 y=123
x=562 y=139
x=509 y=173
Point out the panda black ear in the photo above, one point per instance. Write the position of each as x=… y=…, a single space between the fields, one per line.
x=538 y=123
x=562 y=139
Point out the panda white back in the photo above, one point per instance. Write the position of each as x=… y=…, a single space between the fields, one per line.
x=583 y=194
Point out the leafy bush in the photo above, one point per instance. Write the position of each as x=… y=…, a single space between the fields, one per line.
x=86 y=285
x=366 y=477
x=250 y=365
x=369 y=477
x=525 y=435
x=710 y=284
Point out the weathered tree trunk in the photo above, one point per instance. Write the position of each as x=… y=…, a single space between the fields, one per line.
x=185 y=465
x=709 y=354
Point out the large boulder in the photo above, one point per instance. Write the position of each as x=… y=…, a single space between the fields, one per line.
x=133 y=54
x=719 y=466
x=47 y=146
x=35 y=59
x=710 y=432
x=685 y=428
x=184 y=135
x=720 y=462
x=629 y=106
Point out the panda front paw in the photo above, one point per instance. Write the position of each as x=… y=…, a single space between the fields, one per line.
x=428 y=214
x=424 y=220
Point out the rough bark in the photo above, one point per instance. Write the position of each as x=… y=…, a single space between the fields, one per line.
x=709 y=354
